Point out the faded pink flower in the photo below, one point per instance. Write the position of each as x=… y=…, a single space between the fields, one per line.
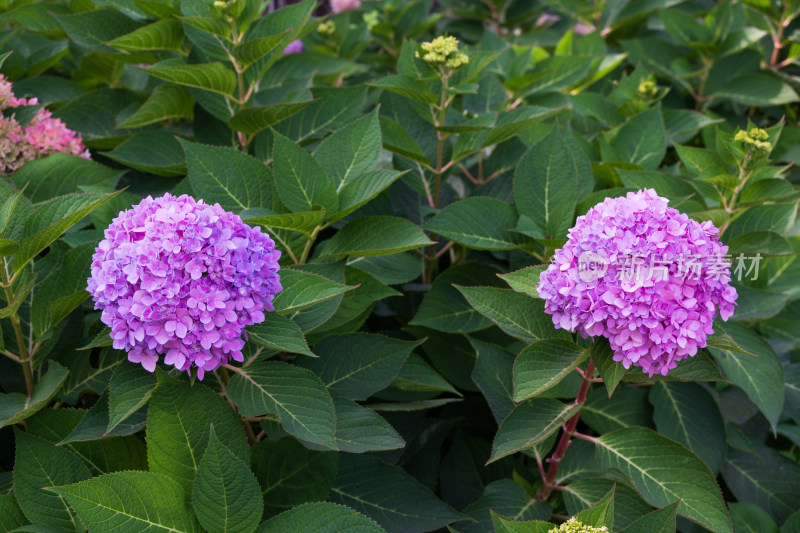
x=337 y=6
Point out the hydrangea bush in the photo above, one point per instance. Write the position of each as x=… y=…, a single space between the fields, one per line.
x=399 y=266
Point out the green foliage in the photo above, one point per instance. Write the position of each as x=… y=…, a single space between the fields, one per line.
x=409 y=379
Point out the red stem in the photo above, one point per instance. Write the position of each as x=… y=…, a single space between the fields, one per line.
x=566 y=437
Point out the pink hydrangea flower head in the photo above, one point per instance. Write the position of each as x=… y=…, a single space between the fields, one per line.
x=48 y=135
x=13 y=151
x=337 y=6
x=645 y=276
x=293 y=47
x=182 y=279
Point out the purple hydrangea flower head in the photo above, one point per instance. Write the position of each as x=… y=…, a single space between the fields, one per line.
x=182 y=279
x=645 y=276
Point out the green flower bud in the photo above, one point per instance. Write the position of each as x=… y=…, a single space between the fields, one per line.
x=371 y=19
x=573 y=526
x=443 y=51
x=756 y=138
x=647 y=89
x=326 y=28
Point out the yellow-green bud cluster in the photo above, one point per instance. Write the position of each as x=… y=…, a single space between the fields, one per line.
x=573 y=526
x=371 y=19
x=326 y=28
x=444 y=51
x=647 y=89
x=756 y=138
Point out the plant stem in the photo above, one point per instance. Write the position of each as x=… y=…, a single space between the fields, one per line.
x=309 y=243
x=223 y=381
x=569 y=430
x=25 y=357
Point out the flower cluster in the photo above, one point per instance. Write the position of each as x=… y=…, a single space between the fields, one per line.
x=337 y=6
x=43 y=135
x=574 y=526
x=182 y=278
x=327 y=28
x=444 y=51
x=755 y=137
x=651 y=321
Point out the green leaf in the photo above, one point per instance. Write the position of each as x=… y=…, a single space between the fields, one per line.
x=94 y=424
x=546 y=181
x=642 y=140
x=302 y=289
x=130 y=389
x=333 y=106
x=216 y=174
x=301 y=181
x=492 y=374
x=766 y=243
x=290 y=474
x=506 y=497
x=760 y=377
x=408 y=87
x=659 y=521
x=279 y=333
x=583 y=493
x=686 y=413
x=178 y=420
x=164 y=34
x=62 y=290
x=138 y=501
x=295 y=394
x=480 y=222
x=628 y=407
x=58 y=174
x=375 y=235
x=756 y=90
x=445 y=309
x=409 y=506
x=303 y=222
x=8 y=247
x=525 y=279
x=53 y=218
x=600 y=514
x=11 y=516
x=40 y=464
x=765 y=478
x=358 y=365
x=360 y=189
x=95 y=27
x=611 y=371
x=251 y=51
x=417 y=375
x=543 y=365
x=360 y=430
x=15 y=406
x=530 y=423
x=255 y=119
x=639 y=454
x=396 y=139
x=165 y=102
x=214 y=77
x=351 y=151
x=207 y=24
x=226 y=497
x=750 y=517
x=503 y=525
x=155 y=152
x=320 y=517
x=517 y=314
